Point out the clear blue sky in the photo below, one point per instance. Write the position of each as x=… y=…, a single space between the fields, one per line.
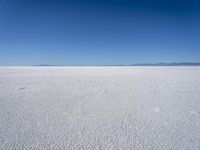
x=99 y=32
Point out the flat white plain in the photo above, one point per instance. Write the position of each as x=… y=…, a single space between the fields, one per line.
x=141 y=108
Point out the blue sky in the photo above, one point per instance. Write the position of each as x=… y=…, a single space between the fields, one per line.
x=99 y=32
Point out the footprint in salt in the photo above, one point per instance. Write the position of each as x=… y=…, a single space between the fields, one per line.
x=192 y=112
x=22 y=88
x=157 y=110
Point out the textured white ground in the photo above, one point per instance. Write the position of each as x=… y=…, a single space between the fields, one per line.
x=142 y=108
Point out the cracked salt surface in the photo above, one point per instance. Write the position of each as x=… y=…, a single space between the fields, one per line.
x=99 y=108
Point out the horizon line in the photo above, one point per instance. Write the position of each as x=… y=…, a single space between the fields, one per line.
x=134 y=64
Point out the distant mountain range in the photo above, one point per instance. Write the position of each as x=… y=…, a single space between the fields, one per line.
x=138 y=64
x=168 y=64
x=44 y=65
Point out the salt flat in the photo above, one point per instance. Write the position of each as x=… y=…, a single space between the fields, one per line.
x=140 y=108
